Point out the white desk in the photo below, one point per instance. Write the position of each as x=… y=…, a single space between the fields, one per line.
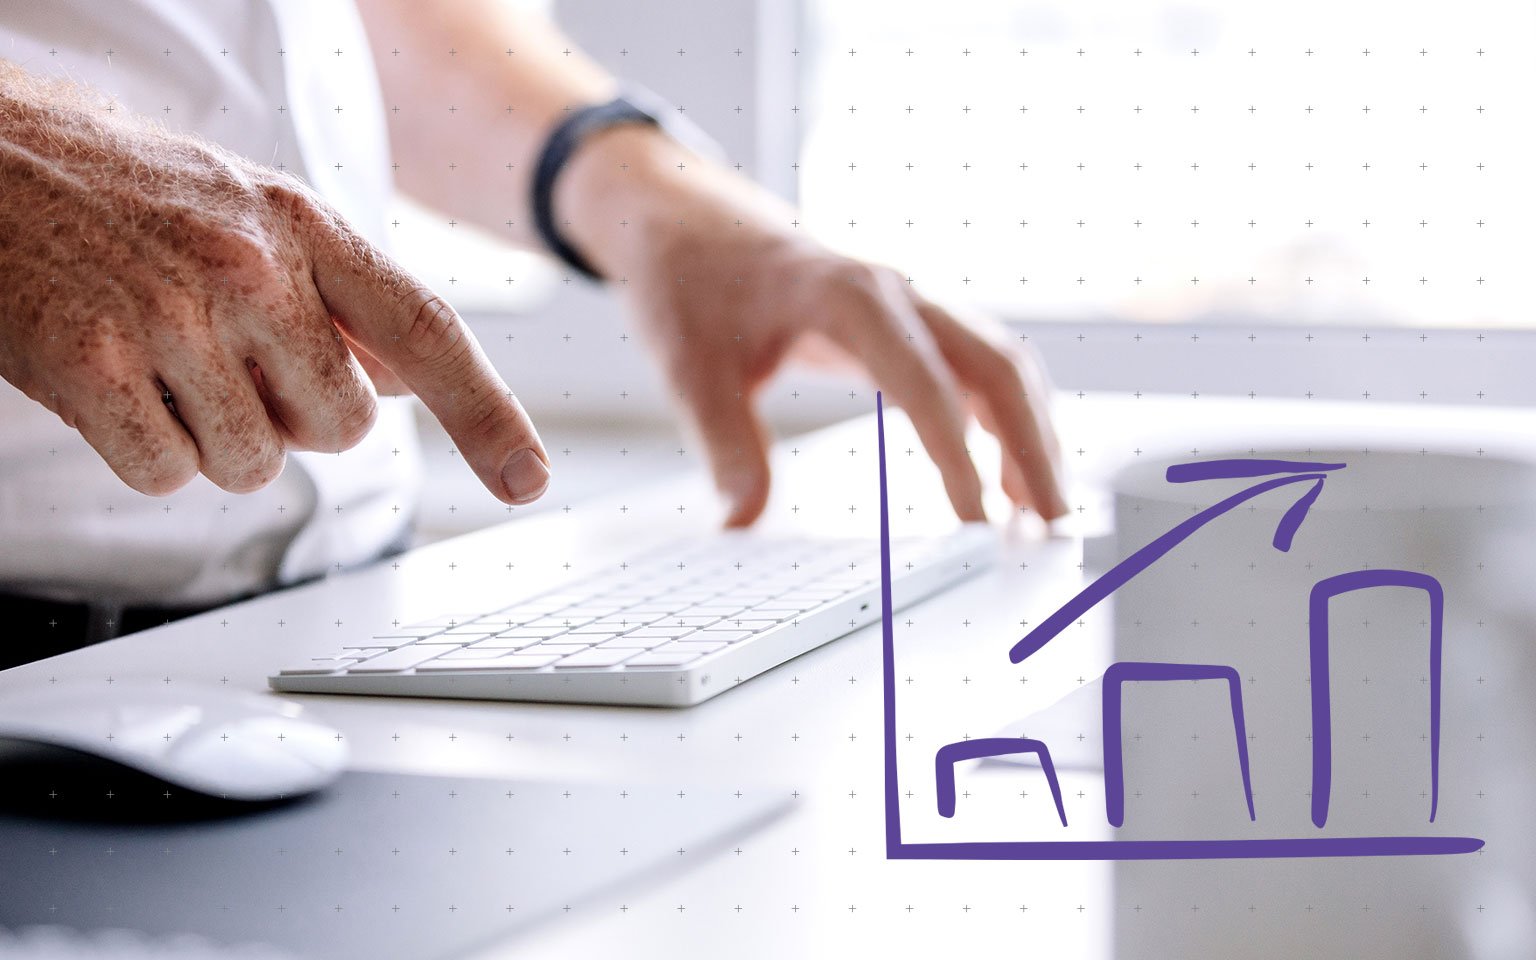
x=817 y=881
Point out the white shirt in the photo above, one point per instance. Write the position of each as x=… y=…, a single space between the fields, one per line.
x=263 y=78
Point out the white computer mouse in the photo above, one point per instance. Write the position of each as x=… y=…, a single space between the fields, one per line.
x=217 y=742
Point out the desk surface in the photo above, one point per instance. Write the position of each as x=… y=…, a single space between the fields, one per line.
x=811 y=728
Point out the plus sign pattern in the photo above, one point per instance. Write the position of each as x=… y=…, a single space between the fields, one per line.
x=1287 y=175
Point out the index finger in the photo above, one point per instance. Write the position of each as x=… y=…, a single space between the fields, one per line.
x=417 y=335
x=888 y=336
x=1012 y=400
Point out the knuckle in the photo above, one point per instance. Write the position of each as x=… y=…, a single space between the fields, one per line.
x=237 y=246
x=248 y=257
x=491 y=418
x=359 y=410
x=861 y=297
x=62 y=407
x=252 y=473
x=116 y=419
x=224 y=177
x=860 y=281
x=434 y=334
x=186 y=326
x=164 y=477
x=287 y=196
x=1002 y=366
x=858 y=273
x=267 y=469
x=152 y=469
x=245 y=454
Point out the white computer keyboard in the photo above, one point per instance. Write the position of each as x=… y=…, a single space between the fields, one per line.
x=674 y=628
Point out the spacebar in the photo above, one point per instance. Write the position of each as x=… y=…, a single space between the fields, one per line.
x=393 y=661
x=496 y=663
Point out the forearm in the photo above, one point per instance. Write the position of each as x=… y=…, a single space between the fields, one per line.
x=472 y=90
x=467 y=121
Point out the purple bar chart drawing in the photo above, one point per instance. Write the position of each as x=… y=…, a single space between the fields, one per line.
x=952 y=753
x=1114 y=761
x=1322 y=711
x=1270 y=475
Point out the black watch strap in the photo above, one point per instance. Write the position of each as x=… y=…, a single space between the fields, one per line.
x=563 y=142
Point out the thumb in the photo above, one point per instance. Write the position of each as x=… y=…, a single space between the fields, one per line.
x=737 y=444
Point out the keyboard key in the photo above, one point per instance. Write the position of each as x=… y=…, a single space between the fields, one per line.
x=561 y=649
x=694 y=622
x=505 y=643
x=716 y=636
x=522 y=614
x=716 y=610
x=320 y=665
x=634 y=618
x=470 y=654
x=611 y=627
x=582 y=640
x=531 y=633
x=394 y=661
x=531 y=659
x=496 y=663
x=653 y=658
x=395 y=638
x=782 y=608
x=697 y=647
x=364 y=649
x=754 y=615
x=738 y=623
x=633 y=643
x=666 y=633
x=594 y=658
x=556 y=621
x=654 y=608
x=588 y=611
x=486 y=625
x=811 y=596
x=444 y=665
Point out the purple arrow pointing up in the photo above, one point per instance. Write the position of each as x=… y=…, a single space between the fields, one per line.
x=1296 y=472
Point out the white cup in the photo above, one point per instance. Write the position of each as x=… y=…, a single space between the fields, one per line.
x=1227 y=596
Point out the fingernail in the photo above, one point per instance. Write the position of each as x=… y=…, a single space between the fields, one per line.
x=525 y=476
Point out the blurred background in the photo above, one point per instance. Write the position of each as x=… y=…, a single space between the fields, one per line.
x=1207 y=199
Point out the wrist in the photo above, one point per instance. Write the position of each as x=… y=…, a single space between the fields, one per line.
x=616 y=194
x=635 y=202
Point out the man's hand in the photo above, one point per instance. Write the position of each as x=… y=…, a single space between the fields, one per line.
x=726 y=292
x=188 y=311
x=717 y=277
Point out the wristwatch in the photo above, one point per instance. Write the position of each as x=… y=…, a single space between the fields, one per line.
x=633 y=105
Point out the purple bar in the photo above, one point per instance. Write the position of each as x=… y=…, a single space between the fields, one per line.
x=1280 y=847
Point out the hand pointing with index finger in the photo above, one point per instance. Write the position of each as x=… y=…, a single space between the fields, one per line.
x=190 y=312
